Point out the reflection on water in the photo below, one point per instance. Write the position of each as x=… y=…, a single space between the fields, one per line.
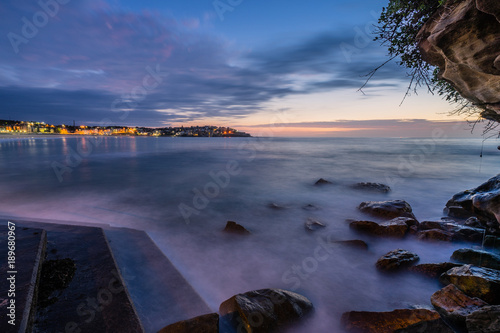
x=141 y=182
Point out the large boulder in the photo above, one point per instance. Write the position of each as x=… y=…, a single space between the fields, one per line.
x=454 y=306
x=483 y=201
x=203 y=324
x=461 y=38
x=265 y=310
x=484 y=320
x=431 y=326
x=386 y=322
x=396 y=259
x=483 y=283
x=433 y=270
x=397 y=227
x=477 y=258
x=387 y=209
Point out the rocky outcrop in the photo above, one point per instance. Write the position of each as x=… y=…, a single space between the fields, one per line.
x=265 y=310
x=235 y=228
x=477 y=258
x=396 y=259
x=483 y=283
x=375 y=187
x=387 y=209
x=482 y=201
x=433 y=270
x=386 y=322
x=485 y=320
x=454 y=306
x=461 y=38
x=203 y=324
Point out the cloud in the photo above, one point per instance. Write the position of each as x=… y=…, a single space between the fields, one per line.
x=89 y=54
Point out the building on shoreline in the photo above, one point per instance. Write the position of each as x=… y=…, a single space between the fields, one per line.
x=26 y=127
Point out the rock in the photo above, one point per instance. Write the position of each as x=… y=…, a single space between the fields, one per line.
x=492 y=242
x=433 y=270
x=310 y=207
x=434 y=235
x=484 y=320
x=385 y=322
x=429 y=225
x=235 y=228
x=461 y=38
x=372 y=187
x=396 y=259
x=387 y=209
x=265 y=310
x=355 y=243
x=477 y=258
x=483 y=283
x=454 y=306
x=482 y=201
x=322 y=181
x=473 y=222
x=397 y=227
x=312 y=225
x=208 y=323
x=469 y=234
x=434 y=326
x=273 y=205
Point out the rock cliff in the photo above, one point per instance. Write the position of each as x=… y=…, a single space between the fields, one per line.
x=463 y=40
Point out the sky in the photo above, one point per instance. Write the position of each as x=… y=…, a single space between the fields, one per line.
x=283 y=67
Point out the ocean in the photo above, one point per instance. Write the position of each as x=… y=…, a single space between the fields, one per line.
x=182 y=191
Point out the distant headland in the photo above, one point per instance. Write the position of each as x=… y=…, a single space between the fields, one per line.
x=27 y=127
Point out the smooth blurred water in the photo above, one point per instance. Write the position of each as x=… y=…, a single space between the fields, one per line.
x=143 y=182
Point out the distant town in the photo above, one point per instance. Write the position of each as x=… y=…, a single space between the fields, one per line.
x=26 y=127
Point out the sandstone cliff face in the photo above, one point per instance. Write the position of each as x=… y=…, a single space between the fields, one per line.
x=463 y=40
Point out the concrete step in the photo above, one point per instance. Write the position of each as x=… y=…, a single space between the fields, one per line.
x=96 y=299
x=162 y=296
x=30 y=244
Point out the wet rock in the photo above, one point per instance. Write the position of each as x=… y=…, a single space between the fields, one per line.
x=354 y=243
x=203 y=324
x=477 y=258
x=265 y=310
x=397 y=227
x=464 y=233
x=396 y=259
x=434 y=235
x=482 y=201
x=377 y=187
x=387 y=209
x=313 y=225
x=429 y=225
x=458 y=212
x=273 y=205
x=310 y=207
x=492 y=242
x=454 y=306
x=235 y=228
x=484 y=320
x=322 y=181
x=431 y=326
x=483 y=283
x=433 y=270
x=473 y=222
x=385 y=322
